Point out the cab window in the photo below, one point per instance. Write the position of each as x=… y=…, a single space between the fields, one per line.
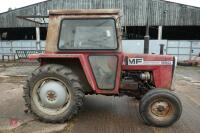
x=88 y=34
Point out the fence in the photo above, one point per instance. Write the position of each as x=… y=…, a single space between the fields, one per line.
x=137 y=46
x=184 y=50
x=10 y=47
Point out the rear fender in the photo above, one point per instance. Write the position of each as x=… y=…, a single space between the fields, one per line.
x=65 y=59
x=83 y=59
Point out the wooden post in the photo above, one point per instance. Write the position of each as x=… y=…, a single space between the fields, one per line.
x=160 y=30
x=38 y=47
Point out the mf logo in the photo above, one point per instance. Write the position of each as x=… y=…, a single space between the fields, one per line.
x=135 y=61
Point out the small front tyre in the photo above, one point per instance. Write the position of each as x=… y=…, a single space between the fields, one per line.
x=160 y=108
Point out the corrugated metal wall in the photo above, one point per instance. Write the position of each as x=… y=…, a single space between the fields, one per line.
x=135 y=12
x=183 y=50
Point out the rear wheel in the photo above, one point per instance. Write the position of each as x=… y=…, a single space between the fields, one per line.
x=160 y=108
x=53 y=93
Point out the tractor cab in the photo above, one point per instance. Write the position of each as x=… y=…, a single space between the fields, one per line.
x=84 y=30
x=95 y=34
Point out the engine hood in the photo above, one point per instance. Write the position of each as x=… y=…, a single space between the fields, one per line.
x=161 y=66
x=150 y=56
x=147 y=59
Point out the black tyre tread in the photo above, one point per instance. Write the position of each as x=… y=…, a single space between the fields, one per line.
x=155 y=92
x=69 y=75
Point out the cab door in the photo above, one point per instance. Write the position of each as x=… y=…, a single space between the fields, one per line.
x=104 y=68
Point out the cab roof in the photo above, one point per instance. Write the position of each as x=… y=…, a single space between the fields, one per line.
x=85 y=12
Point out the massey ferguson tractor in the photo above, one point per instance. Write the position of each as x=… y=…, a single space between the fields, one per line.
x=84 y=56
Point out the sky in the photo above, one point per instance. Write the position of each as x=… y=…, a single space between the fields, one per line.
x=6 y=4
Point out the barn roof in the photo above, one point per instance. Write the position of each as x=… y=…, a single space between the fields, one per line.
x=135 y=12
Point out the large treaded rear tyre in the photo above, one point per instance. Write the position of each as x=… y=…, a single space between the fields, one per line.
x=160 y=108
x=51 y=104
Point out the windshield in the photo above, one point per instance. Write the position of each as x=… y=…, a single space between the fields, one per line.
x=88 y=34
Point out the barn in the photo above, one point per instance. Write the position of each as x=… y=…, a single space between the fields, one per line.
x=173 y=25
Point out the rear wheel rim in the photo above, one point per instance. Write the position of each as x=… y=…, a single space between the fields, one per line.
x=46 y=99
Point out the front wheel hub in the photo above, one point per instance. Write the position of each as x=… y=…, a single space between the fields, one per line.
x=160 y=108
x=53 y=94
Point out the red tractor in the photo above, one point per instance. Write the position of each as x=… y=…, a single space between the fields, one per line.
x=83 y=55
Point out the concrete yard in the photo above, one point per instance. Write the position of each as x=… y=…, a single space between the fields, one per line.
x=100 y=114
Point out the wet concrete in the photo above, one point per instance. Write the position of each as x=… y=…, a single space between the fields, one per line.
x=121 y=115
x=12 y=116
x=100 y=114
x=118 y=115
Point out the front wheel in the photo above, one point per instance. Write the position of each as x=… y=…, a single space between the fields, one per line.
x=53 y=93
x=160 y=108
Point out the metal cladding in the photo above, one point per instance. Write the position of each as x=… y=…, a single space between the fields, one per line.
x=135 y=12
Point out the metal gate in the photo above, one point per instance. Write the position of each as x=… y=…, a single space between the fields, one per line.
x=10 y=47
x=183 y=50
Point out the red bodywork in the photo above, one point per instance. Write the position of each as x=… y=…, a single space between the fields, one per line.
x=162 y=74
